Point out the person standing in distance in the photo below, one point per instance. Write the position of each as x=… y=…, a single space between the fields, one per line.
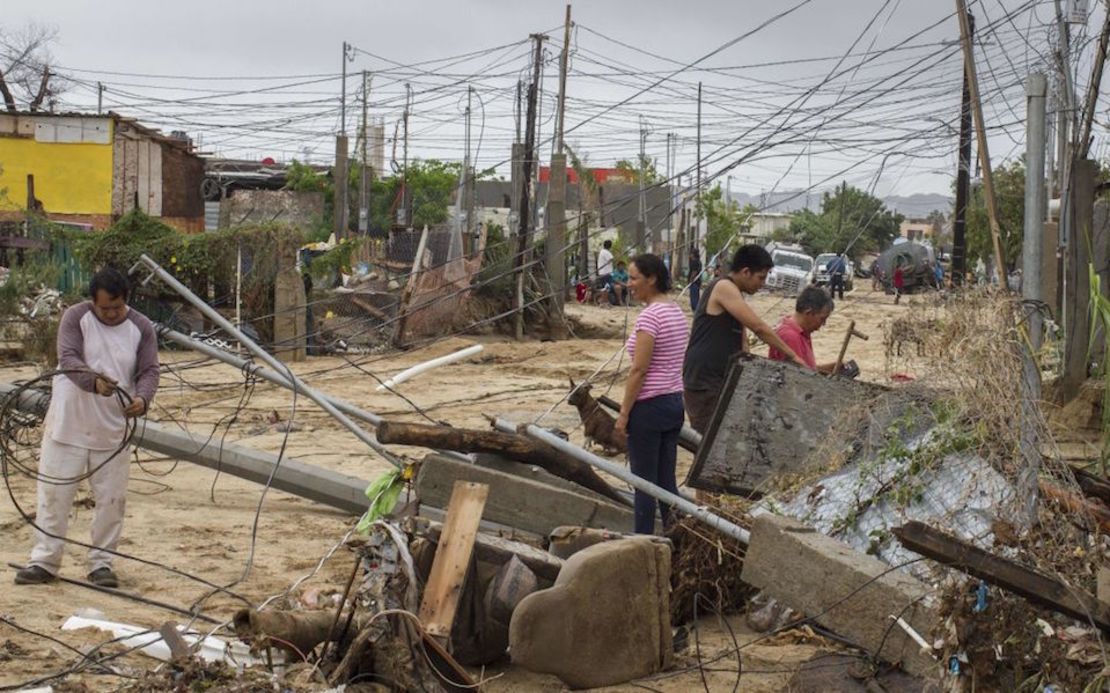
x=719 y=333
x=651 y=412
x=694 y=278
x=104 y=346
x=605 y=267
x=837 y=268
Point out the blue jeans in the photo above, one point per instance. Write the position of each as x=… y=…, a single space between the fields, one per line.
x=695 y=295
x=653 y=427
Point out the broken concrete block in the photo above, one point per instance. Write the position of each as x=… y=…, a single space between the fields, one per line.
x=769 y=419
x=567 y=541
x=848 y=592
x=606 y=620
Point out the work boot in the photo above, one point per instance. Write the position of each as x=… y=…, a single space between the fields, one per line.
x=104 y=577
x=33 y=575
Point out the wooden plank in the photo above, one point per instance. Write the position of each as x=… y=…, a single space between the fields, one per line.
x=453 y=553
x=179 y=649
x=519 y=502
x=1039 y=589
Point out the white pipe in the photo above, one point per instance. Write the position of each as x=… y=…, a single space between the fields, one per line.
x=699 y=512
x=429 y=365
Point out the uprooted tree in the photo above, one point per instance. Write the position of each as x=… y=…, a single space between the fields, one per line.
x=27 y=80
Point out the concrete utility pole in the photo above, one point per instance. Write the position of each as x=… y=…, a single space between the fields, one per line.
x=981 y=136
x=364 y=179
x=671 y=203
x=99 y=97
x=1033 y=239
x=339 y=175
x=467 y=181
x=641 y=218
x=526 y=185
x=556 y=246
x=406 y=198
x=697 y=193
x=1077 y=314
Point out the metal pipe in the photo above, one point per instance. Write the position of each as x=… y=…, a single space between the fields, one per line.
x=296 y=384
x=1033 y=244
x=701 y=513
x=279 y=379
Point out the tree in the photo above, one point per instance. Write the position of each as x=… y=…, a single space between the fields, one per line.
x=26 y=78
x=1009 y=190
x=723 y=220
x=937 y=221
x=850 y=220
x=646 y=165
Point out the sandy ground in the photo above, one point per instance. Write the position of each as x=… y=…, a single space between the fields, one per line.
x=183 y=516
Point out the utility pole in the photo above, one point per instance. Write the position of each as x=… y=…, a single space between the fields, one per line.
x=963 y=177
x=556 y=245
x=697 y=193
x=526 y=185
x=1083 y=142
x=671 y=202
x=99 y=97
x=1033 y=240
x=981 y=136
x=641 y=219
x=405 y=197
x=465 y=180
x=340 y=211
x=364 y=179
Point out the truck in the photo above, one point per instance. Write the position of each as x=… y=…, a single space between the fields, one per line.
x=821 y=275
x=793 y=271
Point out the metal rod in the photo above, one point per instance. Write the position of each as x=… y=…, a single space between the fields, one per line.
x=701 y=513
x=281 y=381
x=297 y=383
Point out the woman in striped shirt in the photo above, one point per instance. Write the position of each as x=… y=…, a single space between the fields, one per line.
x=651 y=414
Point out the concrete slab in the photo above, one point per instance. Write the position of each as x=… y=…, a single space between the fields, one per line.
x=850 y=593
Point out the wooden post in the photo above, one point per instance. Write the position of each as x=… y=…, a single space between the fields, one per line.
x=1077 y=282
x=981 y=137
x=453 y=554
x=1039 y=589
x=410 y=286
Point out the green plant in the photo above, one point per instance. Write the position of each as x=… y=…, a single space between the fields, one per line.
x=25 y=280
x=1100 y=328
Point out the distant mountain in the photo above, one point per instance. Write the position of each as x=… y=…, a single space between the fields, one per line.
x=916 y=206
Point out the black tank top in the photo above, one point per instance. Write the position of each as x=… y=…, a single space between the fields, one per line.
x=714 y=340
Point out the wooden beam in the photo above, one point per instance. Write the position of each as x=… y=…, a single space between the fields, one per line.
x=509 y=444
x=453 y=554
x=1039 y=589
x=498 y=550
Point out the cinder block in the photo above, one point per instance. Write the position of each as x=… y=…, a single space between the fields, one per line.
x=605 y=621
x=850 y=593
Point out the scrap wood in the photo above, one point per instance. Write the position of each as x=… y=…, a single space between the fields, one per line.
x=1040 y=589
x=1092 y=486
x=499 y=550
x=511 y=445
x=453 y=554
x=370 y=308
x=1073 y=503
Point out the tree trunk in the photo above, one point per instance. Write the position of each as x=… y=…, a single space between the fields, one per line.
x=36 y=103
x=511 y=445
x=9 y=100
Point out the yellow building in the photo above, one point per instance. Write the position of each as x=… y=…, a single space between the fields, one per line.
x=91 y=169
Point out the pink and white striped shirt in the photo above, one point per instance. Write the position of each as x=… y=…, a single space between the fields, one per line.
x=666 y=323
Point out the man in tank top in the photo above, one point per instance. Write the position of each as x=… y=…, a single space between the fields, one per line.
x=718 y=334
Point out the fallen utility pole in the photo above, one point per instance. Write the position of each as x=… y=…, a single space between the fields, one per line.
x=324 y=486
x=270 y=360
x=509 y=444
x=981 y=137
x=1039 y=589
x=698 y=512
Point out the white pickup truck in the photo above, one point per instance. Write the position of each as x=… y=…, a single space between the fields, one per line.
x=793 y=271
x=821 y=277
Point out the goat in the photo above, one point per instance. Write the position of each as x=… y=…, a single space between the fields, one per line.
x=597 y=422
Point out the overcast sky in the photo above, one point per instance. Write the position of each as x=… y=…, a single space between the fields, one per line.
x=881 y=118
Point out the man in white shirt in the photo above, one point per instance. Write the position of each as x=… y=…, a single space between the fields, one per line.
x=108 y=353
x=605 y=266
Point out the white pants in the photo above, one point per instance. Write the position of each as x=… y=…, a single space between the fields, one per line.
x=109 y=490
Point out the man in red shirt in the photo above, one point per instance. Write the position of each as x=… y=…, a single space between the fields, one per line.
x=811 y=310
